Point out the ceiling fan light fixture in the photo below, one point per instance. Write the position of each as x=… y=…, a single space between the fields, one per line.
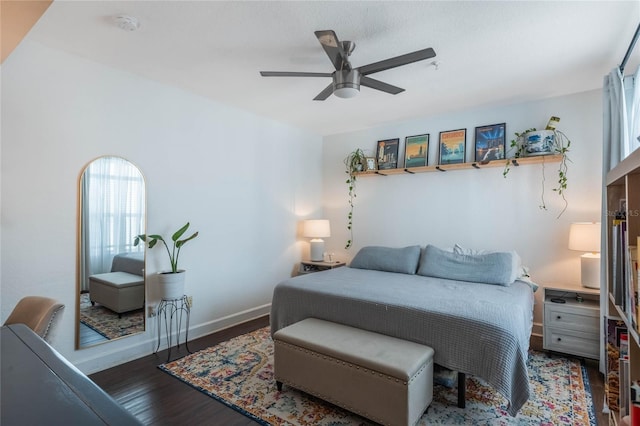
x=346 y=92
x=346 y=83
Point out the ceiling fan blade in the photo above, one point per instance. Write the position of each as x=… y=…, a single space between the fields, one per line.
x=409 y=58
x=294 y=74
x=325 y=93
x=333 y=48
x=379 y=85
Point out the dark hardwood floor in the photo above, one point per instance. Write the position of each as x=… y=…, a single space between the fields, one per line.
x=157 y=398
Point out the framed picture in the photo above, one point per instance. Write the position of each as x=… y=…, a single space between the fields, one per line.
x=490 y=142
x=453 y=144
x=416 y=151
x=370 y=163
x=387 y=154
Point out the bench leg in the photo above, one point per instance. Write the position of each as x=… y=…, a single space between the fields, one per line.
x=462 y=387
x=279 y=386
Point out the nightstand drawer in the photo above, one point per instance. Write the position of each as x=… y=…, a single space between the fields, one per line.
x=576 y=343
x=570 y=318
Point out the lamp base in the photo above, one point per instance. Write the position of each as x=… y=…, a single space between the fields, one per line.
x=317 y=250
x=590 y=270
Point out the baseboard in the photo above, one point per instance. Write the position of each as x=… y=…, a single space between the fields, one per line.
x=107 y=357
x=114 y=353
x=228 y=321
x=537 y=328
x=536 y=342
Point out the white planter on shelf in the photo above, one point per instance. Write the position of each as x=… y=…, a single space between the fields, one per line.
x=171 y=284
x=539 y=142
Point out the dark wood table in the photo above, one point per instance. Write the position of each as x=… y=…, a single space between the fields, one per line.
x=39 y=386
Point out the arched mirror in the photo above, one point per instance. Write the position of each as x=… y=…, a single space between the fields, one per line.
x=111 y=286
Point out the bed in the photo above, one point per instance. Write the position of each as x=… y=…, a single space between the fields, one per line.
x=474 y=328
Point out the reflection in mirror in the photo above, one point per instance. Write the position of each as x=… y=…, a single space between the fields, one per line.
x=111 y=291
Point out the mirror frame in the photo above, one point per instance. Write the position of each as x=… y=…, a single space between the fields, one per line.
x=79 y=247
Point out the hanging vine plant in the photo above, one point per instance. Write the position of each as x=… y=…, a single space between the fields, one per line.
x=354 y=163
x=561 y=144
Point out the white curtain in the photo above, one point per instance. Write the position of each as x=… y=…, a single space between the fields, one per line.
x=614 y=121
x=632 y=97
x=113 y=201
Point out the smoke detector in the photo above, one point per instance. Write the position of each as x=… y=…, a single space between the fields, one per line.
x=127 y=23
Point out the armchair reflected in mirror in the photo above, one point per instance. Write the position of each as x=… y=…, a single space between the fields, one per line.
x=111 y=283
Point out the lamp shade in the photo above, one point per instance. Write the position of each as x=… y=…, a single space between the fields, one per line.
x=585 y=236
x=317 y=228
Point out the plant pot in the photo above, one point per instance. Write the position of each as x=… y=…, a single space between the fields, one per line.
x=540 y=142
x=171 y=284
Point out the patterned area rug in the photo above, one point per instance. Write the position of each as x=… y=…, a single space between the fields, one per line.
x=106 y=322
x=239 y=373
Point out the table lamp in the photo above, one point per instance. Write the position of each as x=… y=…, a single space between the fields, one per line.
x=316 y=230
x=585 y=236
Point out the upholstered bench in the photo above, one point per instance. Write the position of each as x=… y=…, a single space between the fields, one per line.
x=118 y=291
x=122 y=289
x=382 y=378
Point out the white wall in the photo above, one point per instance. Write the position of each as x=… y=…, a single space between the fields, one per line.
x=244 y=182
x=241 y=180
x=475 y=208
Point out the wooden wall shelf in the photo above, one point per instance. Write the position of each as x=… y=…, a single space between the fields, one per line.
x=462 y=166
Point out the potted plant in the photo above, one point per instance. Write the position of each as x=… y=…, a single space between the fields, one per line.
x=171 y=282
x=355 y=162
x=532 y=142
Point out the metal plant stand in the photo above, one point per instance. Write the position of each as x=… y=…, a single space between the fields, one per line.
x=171 y=310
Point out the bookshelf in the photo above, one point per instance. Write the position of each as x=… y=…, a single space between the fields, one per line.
x=623 y=233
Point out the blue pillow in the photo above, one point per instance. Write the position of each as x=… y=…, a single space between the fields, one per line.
x=403 y=260
x=501 y=268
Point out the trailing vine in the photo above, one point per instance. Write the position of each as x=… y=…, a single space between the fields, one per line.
x=561 y=147
x=354 y=163
x=519 y=147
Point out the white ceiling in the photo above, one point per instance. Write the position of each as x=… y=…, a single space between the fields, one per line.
x=491 y=52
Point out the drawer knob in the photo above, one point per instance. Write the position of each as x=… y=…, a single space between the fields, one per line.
x=559 y=339
x=558 y=317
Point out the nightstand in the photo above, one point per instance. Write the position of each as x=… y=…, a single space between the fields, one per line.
x=572 y=327
x=309 y=267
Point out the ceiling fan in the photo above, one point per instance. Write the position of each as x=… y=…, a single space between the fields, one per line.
x=347 y=80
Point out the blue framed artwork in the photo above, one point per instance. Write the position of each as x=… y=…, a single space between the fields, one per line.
x=452 y=146
x=490 y=142
x=416 y=151
x=387 y=154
